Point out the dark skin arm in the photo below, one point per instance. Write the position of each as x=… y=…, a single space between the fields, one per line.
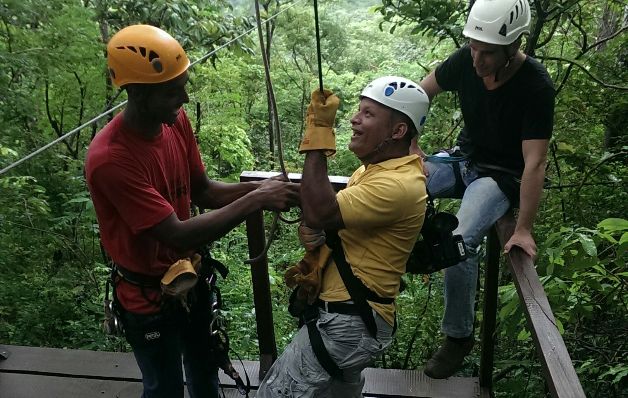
x=210 y=194
x=318 y=198
x=233 y=204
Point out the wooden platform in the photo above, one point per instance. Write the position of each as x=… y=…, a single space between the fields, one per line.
x=31 y=372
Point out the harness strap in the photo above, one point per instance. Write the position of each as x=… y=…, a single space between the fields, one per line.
x=310 y=316
x=358 y=292
x=134 y=278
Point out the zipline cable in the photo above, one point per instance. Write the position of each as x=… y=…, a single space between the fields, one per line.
x=63 y=137
x=318 y=47
x=121 y=104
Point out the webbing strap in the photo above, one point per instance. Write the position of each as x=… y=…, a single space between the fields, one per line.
x=137 y=279
x=310 y=316
x=358 y=292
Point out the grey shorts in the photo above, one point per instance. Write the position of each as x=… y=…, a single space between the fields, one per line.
x=298 y=374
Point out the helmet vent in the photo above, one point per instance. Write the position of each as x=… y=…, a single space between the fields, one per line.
x=512 y=14
x=152 y=55
x=143 y=51
x=502 y=31
x=156 y=63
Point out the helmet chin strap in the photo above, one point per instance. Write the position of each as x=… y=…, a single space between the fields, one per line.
x=379 y=147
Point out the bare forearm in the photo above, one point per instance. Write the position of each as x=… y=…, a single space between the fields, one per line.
x=530 y=196
x=318 y=198
x=219 y=194
x=207 y=227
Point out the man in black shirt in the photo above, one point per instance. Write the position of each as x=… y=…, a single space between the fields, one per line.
x=507 y=102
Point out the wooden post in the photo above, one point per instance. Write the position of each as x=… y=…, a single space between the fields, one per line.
x=261 y=293
x=491 y=280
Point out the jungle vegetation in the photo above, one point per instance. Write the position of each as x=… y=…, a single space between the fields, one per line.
x=53 y=79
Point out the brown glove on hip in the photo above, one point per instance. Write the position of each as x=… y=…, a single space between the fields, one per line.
x=320 y=121
x=307 y=273
x=180 y=278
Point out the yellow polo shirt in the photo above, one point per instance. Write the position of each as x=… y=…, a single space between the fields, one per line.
x=383 y=208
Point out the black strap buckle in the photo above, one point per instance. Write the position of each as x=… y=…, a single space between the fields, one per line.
x=310 y=315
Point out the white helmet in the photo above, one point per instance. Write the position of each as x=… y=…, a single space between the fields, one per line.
x=402 y=95
x=498 y=21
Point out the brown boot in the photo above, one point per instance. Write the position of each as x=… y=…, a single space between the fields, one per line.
x=449 y=358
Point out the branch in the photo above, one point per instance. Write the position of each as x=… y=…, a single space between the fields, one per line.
x=549 y=36
x=604 y=40
x=595 y=79
x=584 y=35
x=54 y=123
x=558 y=10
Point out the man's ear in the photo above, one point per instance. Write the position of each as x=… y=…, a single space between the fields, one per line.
x=400 y=129
x=514 y=47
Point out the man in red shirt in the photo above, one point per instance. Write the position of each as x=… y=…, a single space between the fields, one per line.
x=143 y=170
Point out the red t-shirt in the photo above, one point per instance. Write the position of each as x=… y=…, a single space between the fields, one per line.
x=135 y=183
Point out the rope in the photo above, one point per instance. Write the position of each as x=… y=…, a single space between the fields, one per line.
x=97 y=118
x=318 y=48
x=275 y=130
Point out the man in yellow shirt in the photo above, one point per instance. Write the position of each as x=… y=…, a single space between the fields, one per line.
x=378 y=218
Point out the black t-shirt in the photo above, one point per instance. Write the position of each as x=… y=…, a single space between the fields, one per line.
x=496 y=121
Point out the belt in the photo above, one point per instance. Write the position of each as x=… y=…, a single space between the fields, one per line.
x=134 y=278
x=338 y=307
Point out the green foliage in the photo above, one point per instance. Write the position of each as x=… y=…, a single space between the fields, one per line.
x=437 y=18
x=53 y=79
x=583 y=272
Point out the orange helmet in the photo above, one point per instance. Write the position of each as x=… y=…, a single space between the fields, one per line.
x=144 y=54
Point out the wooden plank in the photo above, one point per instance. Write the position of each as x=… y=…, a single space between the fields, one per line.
x=77 y=372
x=338 y=182
x=414 y=383
x=80 y=363
x=87 y=364
x=560 y=374
x=37 y=386
x=15 y=385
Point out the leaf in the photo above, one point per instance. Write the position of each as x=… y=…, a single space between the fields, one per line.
x=588 y=245
x=563 y=147
x=614 y=224
x=559 y=325
x=523 y=335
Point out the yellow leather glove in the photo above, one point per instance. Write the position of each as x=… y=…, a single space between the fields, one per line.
x=320 y=121
x=307 y=273
x=311 y=238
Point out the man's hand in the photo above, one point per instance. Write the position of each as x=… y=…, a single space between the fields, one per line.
x=278 y=195
x=311 y=238
x=320 y=121
x=308 y=272
x=524 y=240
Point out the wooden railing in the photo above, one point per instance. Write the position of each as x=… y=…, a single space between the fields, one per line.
x=559 y=372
